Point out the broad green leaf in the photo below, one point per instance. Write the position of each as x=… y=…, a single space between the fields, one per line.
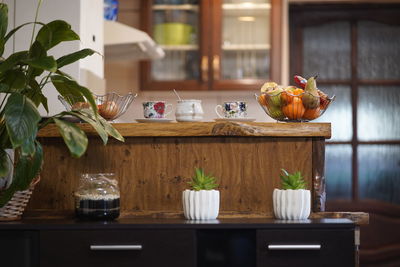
x=36 y=95
x=88 y=116
x=26 y=170
x=4 y=138
x=12 y=60
x=66 y=75
x=3 y=163
x=45 y=63
x=54 y=33
x=28 y=167
x=67 y=87
x=3 y=20
x=21 y=117
x=44 y=102
x=75 y=139
x=28 y=146
x=35 y=52
x=15 y=79
x=33 y=92
x=110 y=129
x=4 y=88
x=71 y=58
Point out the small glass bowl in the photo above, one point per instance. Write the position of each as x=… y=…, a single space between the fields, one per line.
x=110 y=106
x=285 y=106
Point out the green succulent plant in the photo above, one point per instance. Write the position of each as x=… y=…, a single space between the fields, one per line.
x=292 y=181
x=23 y=76
x=201 y=181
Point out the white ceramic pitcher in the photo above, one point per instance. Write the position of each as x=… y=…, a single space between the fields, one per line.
x=189 y=110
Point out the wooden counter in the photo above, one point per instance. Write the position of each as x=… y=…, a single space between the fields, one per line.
x=157 y=160
x=208 y=129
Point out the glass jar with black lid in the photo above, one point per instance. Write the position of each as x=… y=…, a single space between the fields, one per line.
x=97 y=197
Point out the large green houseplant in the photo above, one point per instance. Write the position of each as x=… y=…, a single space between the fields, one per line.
x=23 y=75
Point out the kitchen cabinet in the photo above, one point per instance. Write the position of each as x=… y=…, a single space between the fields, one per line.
x=212 y=44
x=19 y=248
x=176 y=242
x=99 y=248
x=309 y=248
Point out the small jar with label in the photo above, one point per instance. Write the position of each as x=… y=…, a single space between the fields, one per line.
x=97 y=197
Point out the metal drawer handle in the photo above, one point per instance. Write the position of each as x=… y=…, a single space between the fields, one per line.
x=116 y=247
x=294 y=247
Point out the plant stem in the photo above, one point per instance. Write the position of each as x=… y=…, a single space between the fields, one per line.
x=46 y=122
x=42 y=84
x=36 y=17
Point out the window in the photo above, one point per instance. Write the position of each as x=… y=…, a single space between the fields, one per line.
x=355 y=51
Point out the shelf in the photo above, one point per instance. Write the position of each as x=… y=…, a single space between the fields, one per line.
x=176 y=7
x=246 y=6
x=179 y=47
x=241 y=47
x=248 y=9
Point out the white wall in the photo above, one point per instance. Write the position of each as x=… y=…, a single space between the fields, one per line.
x=82 y=15
x=9 y=48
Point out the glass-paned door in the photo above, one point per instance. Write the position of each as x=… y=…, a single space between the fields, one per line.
x=245 y=41
x=357 y=59
x=175 y=26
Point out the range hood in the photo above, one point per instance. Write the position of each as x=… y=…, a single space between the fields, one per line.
x=122 y=42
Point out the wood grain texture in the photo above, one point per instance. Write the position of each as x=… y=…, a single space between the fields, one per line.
x=209 y=129
x=153 y=171
x=318 y=174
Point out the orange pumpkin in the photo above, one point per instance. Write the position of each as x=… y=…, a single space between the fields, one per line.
x=288 y=95
x=311 y=114
x=295 y=109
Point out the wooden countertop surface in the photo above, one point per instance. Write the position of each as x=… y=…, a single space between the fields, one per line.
x=152 y=223
x=273 y=129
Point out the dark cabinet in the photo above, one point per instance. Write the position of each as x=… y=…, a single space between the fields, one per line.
x=18 y=248
x=305 y=248
x=176 y=242
x=117 y=248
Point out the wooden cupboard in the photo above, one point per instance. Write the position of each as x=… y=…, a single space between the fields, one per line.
x=212 y=44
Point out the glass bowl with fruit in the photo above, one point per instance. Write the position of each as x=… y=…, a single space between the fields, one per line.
x=295 y=104
x=110 y=106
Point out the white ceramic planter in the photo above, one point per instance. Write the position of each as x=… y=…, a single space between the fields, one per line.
x=292 y=204
x=200 y=205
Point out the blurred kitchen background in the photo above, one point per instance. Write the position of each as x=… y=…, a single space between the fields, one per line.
x=222 y=50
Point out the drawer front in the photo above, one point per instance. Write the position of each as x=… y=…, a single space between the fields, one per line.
x=19 y=248
x=117 y=248
x=301 y=247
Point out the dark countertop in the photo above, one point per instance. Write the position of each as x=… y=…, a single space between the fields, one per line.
x=149 y=223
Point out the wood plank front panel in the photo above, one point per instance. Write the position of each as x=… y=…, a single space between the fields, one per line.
x=153 y=171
